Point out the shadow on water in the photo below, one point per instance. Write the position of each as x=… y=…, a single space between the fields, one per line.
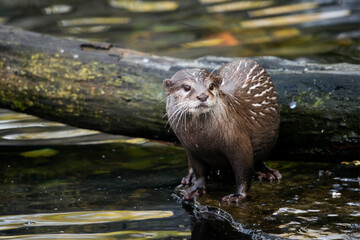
x=60 y=182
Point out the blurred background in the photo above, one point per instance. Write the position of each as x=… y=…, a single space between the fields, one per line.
x=325 y=31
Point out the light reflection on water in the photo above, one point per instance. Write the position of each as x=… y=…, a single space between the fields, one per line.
x=58 y=185
x=78 y=218
x=325 y=31
x=107 y=236
x=102 y=186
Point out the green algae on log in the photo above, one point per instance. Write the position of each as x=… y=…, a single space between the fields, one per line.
x=104 y=87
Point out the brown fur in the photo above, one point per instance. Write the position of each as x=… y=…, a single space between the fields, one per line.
x=237 y=124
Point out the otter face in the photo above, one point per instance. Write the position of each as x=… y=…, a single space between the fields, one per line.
x=193 y=90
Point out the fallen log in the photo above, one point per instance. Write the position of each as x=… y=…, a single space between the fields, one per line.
x=104 y=87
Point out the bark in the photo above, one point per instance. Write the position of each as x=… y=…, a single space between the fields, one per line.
x=104 y=87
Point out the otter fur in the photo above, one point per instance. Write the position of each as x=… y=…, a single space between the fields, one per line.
x=228 y=119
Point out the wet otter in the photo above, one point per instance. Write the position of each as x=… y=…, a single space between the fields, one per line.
x=227 y=119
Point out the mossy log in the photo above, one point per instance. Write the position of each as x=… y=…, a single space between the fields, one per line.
x=104 y=87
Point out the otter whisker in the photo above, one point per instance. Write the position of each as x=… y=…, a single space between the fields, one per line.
x=181 y=115
x=162 y=100
x=166 y=114
x=177 y=113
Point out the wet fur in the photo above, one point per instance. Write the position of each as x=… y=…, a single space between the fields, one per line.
x=238 y=129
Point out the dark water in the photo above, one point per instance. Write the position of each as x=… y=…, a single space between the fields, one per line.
x=65 y=183
x=59 y=182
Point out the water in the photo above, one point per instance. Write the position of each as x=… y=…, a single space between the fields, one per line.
x=60 y=182
x=308 y=203
x=319 y=30
x=90 y=185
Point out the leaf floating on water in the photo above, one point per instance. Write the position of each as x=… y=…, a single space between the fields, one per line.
x=45 y=152
x=284 y=9
x=294 y=19
x=228 y=39
x=140 y=6
x=79 y=218
x=238 y=6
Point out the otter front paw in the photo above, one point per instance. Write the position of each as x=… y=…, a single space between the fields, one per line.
x=233 y=198
x=190 y=192
x=196 y=190
x=190 y=179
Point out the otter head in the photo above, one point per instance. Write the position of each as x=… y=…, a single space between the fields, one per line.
x=194 y=91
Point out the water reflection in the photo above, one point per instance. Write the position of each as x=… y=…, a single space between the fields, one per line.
x=101 y=186
x=238 y=6
x=141 y=6
x=294 y=19
x=96 y=186
x=94 y=21
x=289 y=8
x=108 y=236
x=58 y=9
x=300 y=206
x=78 y=218
x=196 y=28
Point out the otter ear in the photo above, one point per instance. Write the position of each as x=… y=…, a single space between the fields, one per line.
x=167 y=84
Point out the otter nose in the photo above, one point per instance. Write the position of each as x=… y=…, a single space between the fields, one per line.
x=202 y=97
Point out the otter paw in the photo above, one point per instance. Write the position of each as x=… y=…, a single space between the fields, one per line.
x=270 y=175
x=233 y=198
x=189 y=179
x=190 y=192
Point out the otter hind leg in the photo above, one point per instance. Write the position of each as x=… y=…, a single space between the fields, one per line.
x=262 y=171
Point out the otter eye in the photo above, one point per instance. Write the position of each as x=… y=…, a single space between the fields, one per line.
x=187 y=88
x=211 y=86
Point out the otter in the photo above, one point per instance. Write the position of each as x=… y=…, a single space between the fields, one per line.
x=225 y=120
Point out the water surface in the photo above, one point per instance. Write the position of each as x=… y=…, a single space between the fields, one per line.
x=60 y=182
x=320 y=30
